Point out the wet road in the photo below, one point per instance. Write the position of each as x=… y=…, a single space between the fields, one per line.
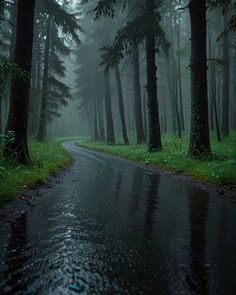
x=113 y=228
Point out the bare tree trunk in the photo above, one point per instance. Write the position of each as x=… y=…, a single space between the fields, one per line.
x=137 y=95
x=145 y=114
x=199 y=135
x=225 y=98
x=101 y=121
x=110 y=135
x=154 y=140
x=1 y=128
x=213 y=88
x=180 y=83
x=43 y=112
x=95 y=121
x=121 y=104
x=177 y=114
x=17 y=122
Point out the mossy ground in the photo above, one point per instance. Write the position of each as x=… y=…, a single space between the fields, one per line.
x=48 y=158
x=219 y=169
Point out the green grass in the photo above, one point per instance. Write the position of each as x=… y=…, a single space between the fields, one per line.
x=48 y=158
x=220 y=169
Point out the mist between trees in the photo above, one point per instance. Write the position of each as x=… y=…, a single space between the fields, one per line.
x=110 y=69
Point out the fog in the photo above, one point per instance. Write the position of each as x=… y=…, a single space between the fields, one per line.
x=89 y=69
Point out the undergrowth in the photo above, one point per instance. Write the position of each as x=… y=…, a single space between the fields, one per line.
x=219 y=169
x=47 y=159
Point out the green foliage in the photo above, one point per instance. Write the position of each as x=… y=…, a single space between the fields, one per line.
x=136 y=30
x=218 y=170
x=106 y=8
x=47 y=157
x=61 y=18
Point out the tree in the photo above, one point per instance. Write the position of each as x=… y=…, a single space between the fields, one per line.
x=199 y=135
x=19 y=96
x=110 y=135
x=57 y=17
x=154 y=141
x=42 y=121
x=226 y=76
x=121 y=104
x=146 y=26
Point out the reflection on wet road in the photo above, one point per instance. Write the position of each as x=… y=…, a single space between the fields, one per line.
x=114 y=228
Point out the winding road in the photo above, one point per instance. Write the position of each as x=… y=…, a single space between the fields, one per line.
x=111 y=227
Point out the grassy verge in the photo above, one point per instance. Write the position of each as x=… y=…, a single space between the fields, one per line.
x=221 y=169
x=48 y=158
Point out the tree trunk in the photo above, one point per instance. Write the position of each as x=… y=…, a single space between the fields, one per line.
x=213 y=88
x=95 y=121
x=101 y=121
x=137 y=95
x=181 y=111
x=110 y=135
x=43 y=112
x=225 y=98
x=19 y=95
x=121 y=104
x=1 y=129
x=177 y=112
x=199 y=134
x=154 y=140
x=145 y=114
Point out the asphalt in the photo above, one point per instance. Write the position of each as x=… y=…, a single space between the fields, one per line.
x=107 y=226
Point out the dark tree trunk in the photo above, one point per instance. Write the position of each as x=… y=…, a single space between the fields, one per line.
x=19 y=96
x=171 y=82
x=145 y=114
x=1 y=129
x=110 y=135
x=101 y=121
x=154 y=140
x=43 y=112
x=199 y=134
x=121 y=104
x=213 y=88
x=177 y=114
x=137 y=95
x=225 y=98
x=95 y=121
x=181 y=111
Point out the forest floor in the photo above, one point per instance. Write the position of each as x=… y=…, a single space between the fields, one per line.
x=219 y=170
x=48 y=158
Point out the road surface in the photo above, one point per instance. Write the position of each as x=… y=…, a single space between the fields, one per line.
x=111 y=227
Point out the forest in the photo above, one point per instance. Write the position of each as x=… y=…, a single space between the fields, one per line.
x=117 y=147
x=151 y=82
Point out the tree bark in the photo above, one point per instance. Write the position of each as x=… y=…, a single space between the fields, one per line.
x=43 y=112
x=121 y=105
x=199 y=135
x=95 y=121
x=1 y=129
x=110 y=135
x=213 y=88
x=154 y=140
x=145 y=114
x=137 y=95
x=225 y=98
x=181 y=111
x=101 y=121
x=19 y=95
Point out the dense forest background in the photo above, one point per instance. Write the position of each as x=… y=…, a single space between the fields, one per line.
x=130 y=70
